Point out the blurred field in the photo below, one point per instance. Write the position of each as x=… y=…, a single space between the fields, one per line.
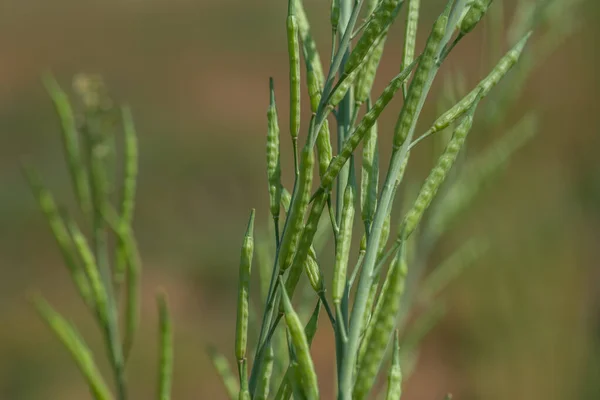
x=523 y=324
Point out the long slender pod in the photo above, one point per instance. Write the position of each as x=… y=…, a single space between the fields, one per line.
x=273 y=158
x=309 y=47
x=323 y=143
x=482 y=89
x=293 y=41
x=291 y=236
x=438 y=174
x=410 y=36
x=383 y=327
x=306 y=368
x=369 y=182
x=127 y=206
x=285 y=390
x=474 y=14
x=394 y=388
x=264 y=382
x=165 y=341
x=303 y=259
x=70 y=139
x=241 y=329
x=61 y=234
x=342 y=250
x=80 y=352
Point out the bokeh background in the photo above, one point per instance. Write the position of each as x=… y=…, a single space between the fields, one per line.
x=524 y=323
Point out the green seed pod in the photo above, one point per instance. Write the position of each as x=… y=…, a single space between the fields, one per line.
x=383 y=323
x=61 y=234
x=313 y=272
x=285 y=389
x=223 y=369
x=483 y=88
x=369 y=182
x=341 y=88
x=294 y=60
x=437 y=175
x=91 y=270
x=262 y=391
x=474 y=14
x=410 y=34
x=314 y=87
x=381 y=19
x=324 y=149
x=367 y=72
x=131 y=167
x=304 y=245
x=342 y=250
x=323 y=140
x=309 y=47
x=385 y=235
x=273 y=154
x=70 y=141
x=129 y=189
x=80 y=352
x=363 y=127
x=241 y=329
x=306 y=368
x=368 y=327
x=335 y=16
x=289 y=242
x=394 y=389
x=165 y=375
x=407 y=117
x=244 y=393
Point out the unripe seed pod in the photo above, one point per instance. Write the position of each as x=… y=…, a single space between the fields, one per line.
x=407 y=116
x=367 y=72
x=341 y=88
x=410 y=35
x=369 y=183
x=309 y=47
x=383 y=323
x=302 y=254
x=306 y=368
x=294 y=61
x=289 y=242
x=394 y=389
x=343 y=246
x=273 y=156
x=437 y=175
x=335 y=15
x=382 y=17
x=483 y=88
x=324 y=150
x=474 y=15
x=241 y=330
x=262 y=391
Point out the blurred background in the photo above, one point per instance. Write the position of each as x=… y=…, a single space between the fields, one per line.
x=523 y=323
